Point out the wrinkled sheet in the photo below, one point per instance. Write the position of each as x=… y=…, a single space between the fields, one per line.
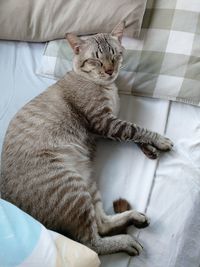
x=168 y=189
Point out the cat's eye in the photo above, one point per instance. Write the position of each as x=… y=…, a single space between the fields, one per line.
x=97 y=54
x=94 y=62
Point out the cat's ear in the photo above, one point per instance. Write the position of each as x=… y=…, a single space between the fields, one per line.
x=74 y=41
x=117 y=32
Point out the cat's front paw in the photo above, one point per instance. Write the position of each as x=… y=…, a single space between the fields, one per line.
x=163 y=143
x=150 y=151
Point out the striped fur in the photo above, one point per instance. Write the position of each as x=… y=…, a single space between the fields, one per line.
x=49 y=150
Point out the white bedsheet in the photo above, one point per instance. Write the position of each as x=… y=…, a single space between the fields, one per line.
x=168 y=190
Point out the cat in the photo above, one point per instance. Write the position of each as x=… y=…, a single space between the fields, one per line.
x=49 y=148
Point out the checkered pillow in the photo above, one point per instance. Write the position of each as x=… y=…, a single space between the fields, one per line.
x=163 y=63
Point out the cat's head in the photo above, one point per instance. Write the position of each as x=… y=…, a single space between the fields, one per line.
x=99 y=57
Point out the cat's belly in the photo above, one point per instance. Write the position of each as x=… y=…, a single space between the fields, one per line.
x=79 y=159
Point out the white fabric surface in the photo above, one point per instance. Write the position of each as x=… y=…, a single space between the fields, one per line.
x=168 y=190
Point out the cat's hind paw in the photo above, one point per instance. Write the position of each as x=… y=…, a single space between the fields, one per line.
x=133 y=247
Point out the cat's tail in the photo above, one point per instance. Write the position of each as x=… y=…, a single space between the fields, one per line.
x=121 y=205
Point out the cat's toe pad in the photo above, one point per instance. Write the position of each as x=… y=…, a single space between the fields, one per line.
x=150 y=151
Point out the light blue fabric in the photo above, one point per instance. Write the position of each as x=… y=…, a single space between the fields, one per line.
x=19 y=234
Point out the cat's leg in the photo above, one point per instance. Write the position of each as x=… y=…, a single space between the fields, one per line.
x=112 y=244
x=115 y=244
x=105 y=245
x=74 y=214
x=104 y=123
x=117 y=223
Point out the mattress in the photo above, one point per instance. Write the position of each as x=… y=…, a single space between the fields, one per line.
x=168 y=189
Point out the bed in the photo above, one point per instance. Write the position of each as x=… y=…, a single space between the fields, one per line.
x=163 y=64
x=167 y=189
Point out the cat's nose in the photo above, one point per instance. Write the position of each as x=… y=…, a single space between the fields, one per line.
x=109 y=71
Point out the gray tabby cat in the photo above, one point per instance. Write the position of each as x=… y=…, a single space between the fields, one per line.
x=47 y=158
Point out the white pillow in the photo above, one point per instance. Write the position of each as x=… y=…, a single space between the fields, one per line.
x=42 y=20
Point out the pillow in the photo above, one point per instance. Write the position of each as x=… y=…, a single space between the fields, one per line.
x=163 y=63
x=25 y=242
x=41 y=20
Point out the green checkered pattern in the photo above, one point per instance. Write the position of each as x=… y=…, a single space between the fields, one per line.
x=163 y=63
